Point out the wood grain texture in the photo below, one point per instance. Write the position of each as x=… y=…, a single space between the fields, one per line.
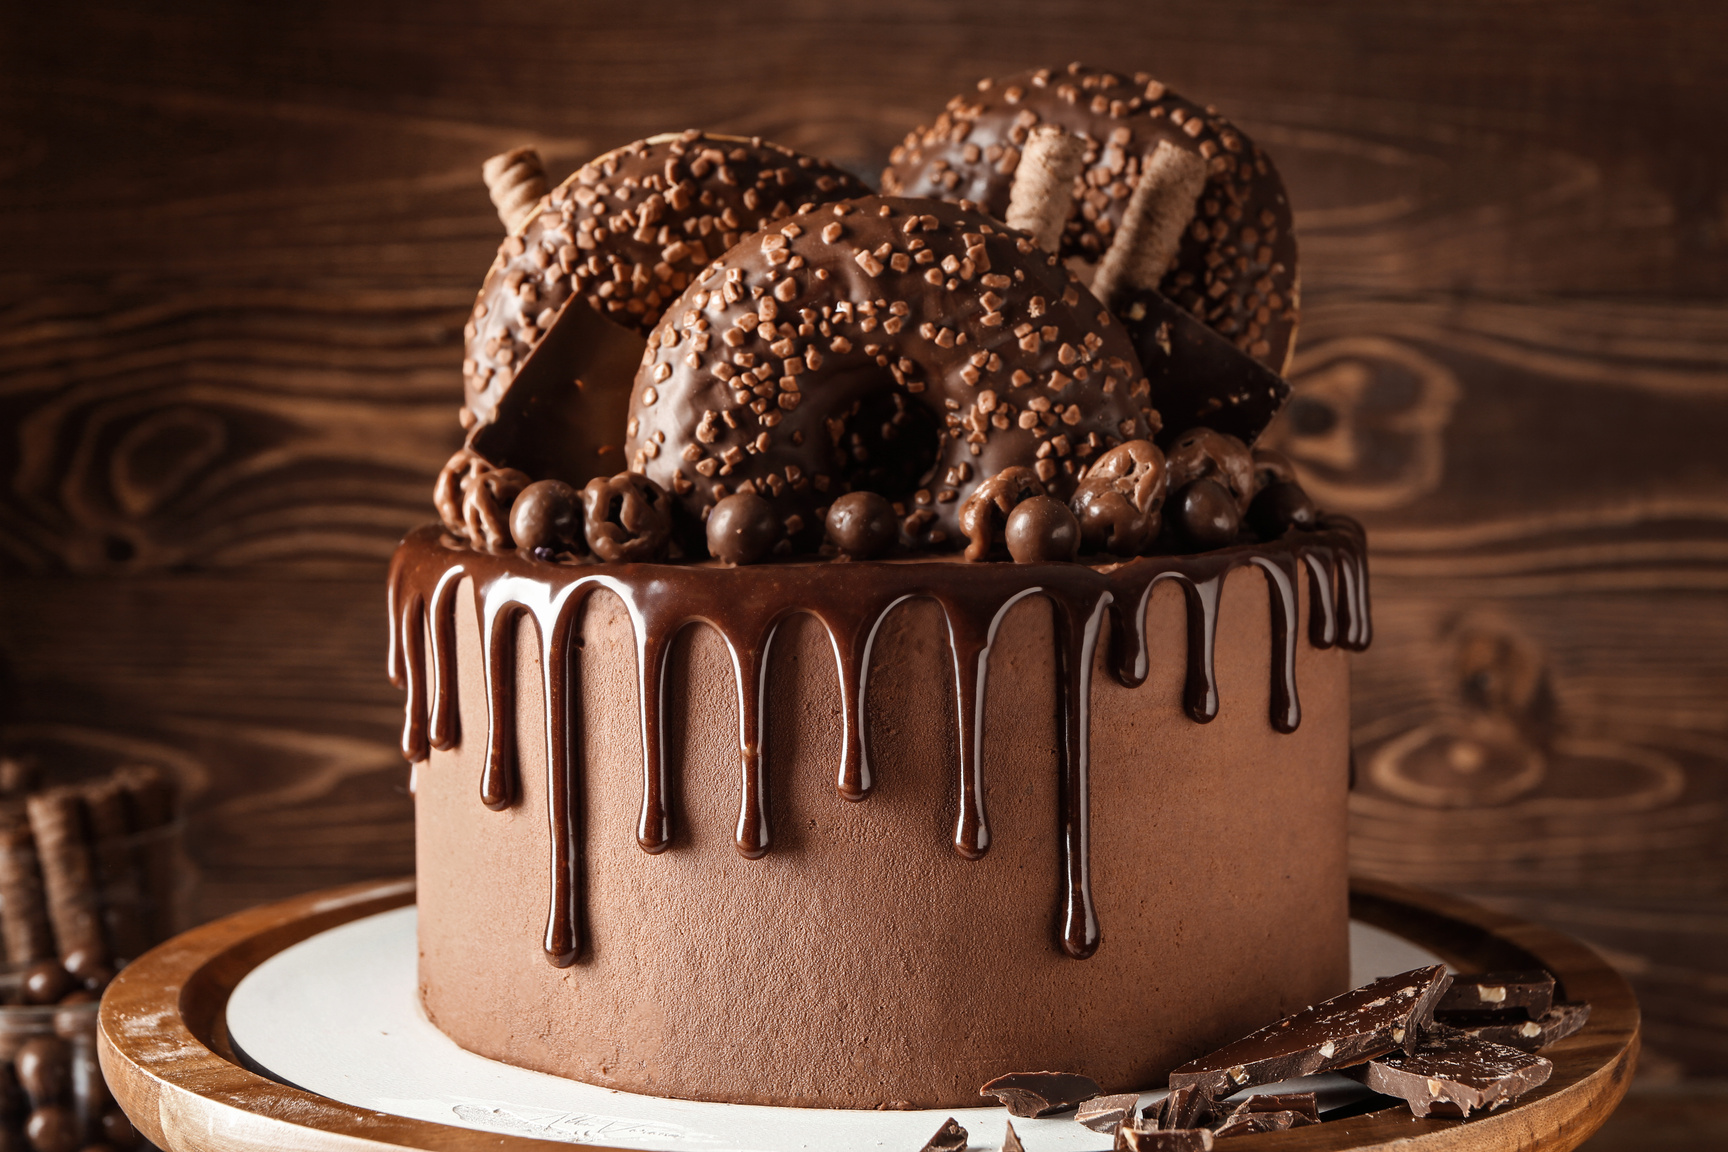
x=165 y=1051
x=237 y=242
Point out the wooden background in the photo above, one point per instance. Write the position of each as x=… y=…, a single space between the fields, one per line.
x=237 y=242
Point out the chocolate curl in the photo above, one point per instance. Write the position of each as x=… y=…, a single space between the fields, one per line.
x=516 y=181
x=68 y=875
x=1043 y=189
x=23 y=908
x=117 y=868
x=1159 y=211
x=150 y=808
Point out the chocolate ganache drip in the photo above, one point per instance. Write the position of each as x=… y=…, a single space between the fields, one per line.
x=851 y=601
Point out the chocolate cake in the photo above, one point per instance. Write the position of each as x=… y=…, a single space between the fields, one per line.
x=835 y=681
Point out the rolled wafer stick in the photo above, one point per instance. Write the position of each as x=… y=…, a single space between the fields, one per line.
x=24 y=925
x=1043 y=189
x=117 y=868
x=150 y=807
x=68 y=877
x=1159 y=211
x=516 y=181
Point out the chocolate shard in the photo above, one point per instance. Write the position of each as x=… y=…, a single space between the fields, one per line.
x=1041 y=1093
x=1452 y=1074
x=1104 y=1113
x=1011 y=1140
x=1198 y=377
x=1251 y=1122
x=1301 y=1103
x=949 y=1138
x=1557 y=1023
x=1367 y=1022
x=1185 y=1107
x=1131 y=1137
x=1530 y=991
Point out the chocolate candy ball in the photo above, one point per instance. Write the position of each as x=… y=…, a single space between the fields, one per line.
x=627 y=518
x=1041 y=531
x=547 y=514
x=116 y=1130
x=44 y=1068
x=1109 y=521
x=45 y=982
x=1206 y=515
x=742 y=529
x=862 y=525
x=1281 y=505
x=53 y=1129
x=1201 y=452
x=1271 y=466
x=986 y=511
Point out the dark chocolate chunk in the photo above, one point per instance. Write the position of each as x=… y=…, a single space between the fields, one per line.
x=1557 y=1023
x=1246 y=1123
x=1198 y=377
x=1011 y=1140
x=949 y=1138
x=1041 y=1093
x=862 y=524
x=1369 y=1021
x=1185 y=1107
x=1104 y=1113
x=1141 y=1138
x=1532 y=991
x=1041 y=531
x=1302 y=1103
x=1452 y=1074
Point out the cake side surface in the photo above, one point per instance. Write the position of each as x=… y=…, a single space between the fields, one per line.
x=863 y=960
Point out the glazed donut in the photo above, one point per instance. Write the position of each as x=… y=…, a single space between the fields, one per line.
x=912 y=348
x=1236 y=266
x=628 y=231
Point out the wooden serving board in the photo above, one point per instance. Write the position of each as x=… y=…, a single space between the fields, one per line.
x=165 y=1050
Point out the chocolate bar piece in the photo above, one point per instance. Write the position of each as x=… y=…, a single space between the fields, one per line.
x=1251 y=1122
x=1302 y=1103
x=949 y=1138
x=1132 y=1137
x=1104 y=1113
x=1557 y=1023
x=1011 y=1140
x=1041 y=1093
x=1185 y=1107
x=1370 y=1021
x=1198 y=377
x=1531 y=990
x=1452 y=1074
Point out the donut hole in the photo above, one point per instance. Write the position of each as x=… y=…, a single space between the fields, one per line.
x=889 y=445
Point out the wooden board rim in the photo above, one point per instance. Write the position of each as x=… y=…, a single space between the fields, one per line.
x=163 y=1044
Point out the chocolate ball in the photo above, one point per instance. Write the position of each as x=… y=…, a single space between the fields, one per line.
x=1279 y=506
x=116 y=1130
x=1109 y=521
x=547 y=514
x=1201 y=452
x=1041 y=531
x=862 y=525
x=45 y=982
x=1206 y=514
x=986 y=511
x=1271 y=466
x=742 y=529
x=44 y=1067
x=53 y=1129
x=627 y=518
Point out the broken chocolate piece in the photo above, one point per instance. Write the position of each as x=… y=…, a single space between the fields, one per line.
x=949 y=1138
x=1557 y=1023
x=1185 y=1107
x=1141 y=1138
x=1041 y=1093
x=1011 y=1140
x=1198 y=377
x=1452 y=1074
x=1250 y=1122
x=1370 y=1021
x=1299 y=1102
x=1104 y=1113
x=1531 y=990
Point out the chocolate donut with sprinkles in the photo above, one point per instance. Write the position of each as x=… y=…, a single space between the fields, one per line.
x=628 y=231
x=1236 y=264
x=908 y=347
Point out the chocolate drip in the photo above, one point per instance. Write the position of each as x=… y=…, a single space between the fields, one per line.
x=747 y=606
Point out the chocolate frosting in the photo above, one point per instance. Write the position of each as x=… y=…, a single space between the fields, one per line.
x=1236 y=268
x=909 y=347
x=850 y=600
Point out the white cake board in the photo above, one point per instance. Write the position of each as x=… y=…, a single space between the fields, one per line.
x=339 y=1015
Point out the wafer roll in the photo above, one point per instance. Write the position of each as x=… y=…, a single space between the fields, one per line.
x=516 y=181
x=1159 y=211
x=118 y=869
x=23 y=907
x=1043 y=191
x=68 y=877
